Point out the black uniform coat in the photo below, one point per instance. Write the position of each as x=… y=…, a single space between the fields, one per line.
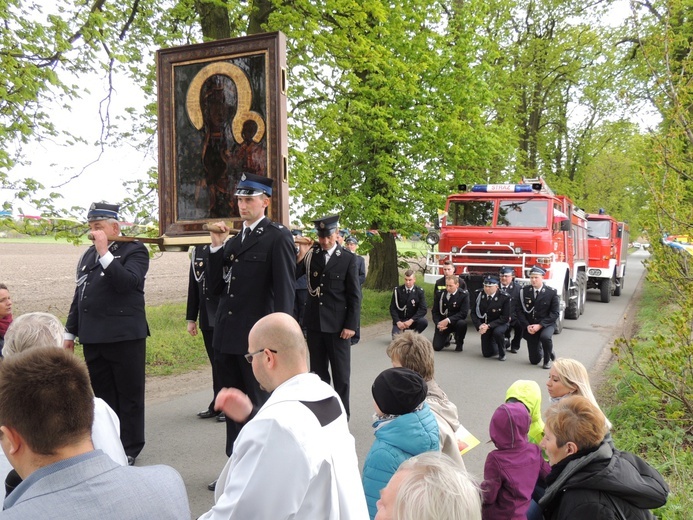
x=334 y=292
x=253 y=279
x=414 y=304
x=456 y=307
x=494 y=310
x=544 y=310
x=108 y=305
x=201 y=301
x=512 y=290
x=361 y=269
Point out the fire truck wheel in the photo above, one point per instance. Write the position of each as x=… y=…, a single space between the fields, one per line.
x=605 y=290
x=582 y=280
x=561 y=315
x=572 y=310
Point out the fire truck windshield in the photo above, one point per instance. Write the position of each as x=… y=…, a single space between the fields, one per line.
x=522 y=213
x=477 y=213
x=599 y=229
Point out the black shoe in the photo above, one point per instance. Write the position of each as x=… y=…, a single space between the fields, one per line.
x=459 y=347
x=221 y=417
x=208 y=414
x=131 y=460
x=212 y=485
x=501 y=358
x=514 y=350
x=547 y=365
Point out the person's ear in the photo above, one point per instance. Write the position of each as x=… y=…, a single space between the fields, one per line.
x=571 y=448
x=13 y=440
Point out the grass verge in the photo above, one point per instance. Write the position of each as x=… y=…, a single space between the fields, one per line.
x=171 y=350
x=646 y=421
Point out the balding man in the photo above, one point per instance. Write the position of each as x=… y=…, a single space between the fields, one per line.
x=294 y=457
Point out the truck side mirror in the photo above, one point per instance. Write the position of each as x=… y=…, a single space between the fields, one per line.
x=564 y=225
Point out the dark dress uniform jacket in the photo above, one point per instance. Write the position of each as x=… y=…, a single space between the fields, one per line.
x=108 y=305
x=200 y=299
x=260 y=280
x=544 y=310
x=457 y=307
x=513 y=290
x=361 y=269
x=414 y=304
x=494 y=311
x=338 y=304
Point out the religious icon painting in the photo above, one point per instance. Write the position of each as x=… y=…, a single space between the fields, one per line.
x=222 y=113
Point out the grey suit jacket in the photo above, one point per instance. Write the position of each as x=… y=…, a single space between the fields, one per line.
x=95 y=487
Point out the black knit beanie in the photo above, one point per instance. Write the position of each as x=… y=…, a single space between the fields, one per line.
x=398 y=391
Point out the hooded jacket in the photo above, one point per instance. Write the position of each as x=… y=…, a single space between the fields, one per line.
x=529 y=394
x=445 y=413
x=396 y=440
x=511 y=471
x=606 y=484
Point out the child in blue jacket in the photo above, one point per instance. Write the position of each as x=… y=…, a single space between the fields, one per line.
x=404 y=426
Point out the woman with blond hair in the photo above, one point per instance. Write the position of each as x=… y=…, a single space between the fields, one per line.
x=590 y=478
x=569 y=377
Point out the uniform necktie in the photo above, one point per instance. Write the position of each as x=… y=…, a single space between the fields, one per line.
x=535 y=293
x=447 y=297
x=246 y=232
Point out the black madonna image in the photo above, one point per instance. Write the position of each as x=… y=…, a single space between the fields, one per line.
x=221 y=134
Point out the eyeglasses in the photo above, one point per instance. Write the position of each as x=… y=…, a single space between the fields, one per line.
x=249 y=356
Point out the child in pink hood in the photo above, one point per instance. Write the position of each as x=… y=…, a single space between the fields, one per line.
x=511 y=471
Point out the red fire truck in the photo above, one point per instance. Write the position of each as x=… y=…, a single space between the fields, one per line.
x=608 y=243
x=515 y=225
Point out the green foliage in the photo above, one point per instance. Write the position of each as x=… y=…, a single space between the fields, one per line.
x=648 y=395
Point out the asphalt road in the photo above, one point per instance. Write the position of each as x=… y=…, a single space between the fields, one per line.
x=175 y=436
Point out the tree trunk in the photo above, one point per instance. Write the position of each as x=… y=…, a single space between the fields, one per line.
x=214 y=19
x=382 y=266
x=259 y=16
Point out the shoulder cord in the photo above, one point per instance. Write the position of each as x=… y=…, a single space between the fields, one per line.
x=522 y=302
x=440 y=304
x=307 y=261
x=403 y=307
x=478 y=310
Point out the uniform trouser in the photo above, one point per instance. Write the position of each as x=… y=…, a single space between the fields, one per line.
x=116 y=371
x=418 y=325
x=440 y=338
x=235 y=372
x=493 y=341
x=208 y=335
x=328 y=351
x=516 y=326
x=540 y=344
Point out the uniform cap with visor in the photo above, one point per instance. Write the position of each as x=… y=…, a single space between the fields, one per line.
x=252 y=185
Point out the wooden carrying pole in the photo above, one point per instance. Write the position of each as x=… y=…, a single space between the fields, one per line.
x=122 y=238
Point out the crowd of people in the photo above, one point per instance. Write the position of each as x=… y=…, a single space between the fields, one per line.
x=281 y=384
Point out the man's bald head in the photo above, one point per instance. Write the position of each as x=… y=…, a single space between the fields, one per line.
x=278 y=332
